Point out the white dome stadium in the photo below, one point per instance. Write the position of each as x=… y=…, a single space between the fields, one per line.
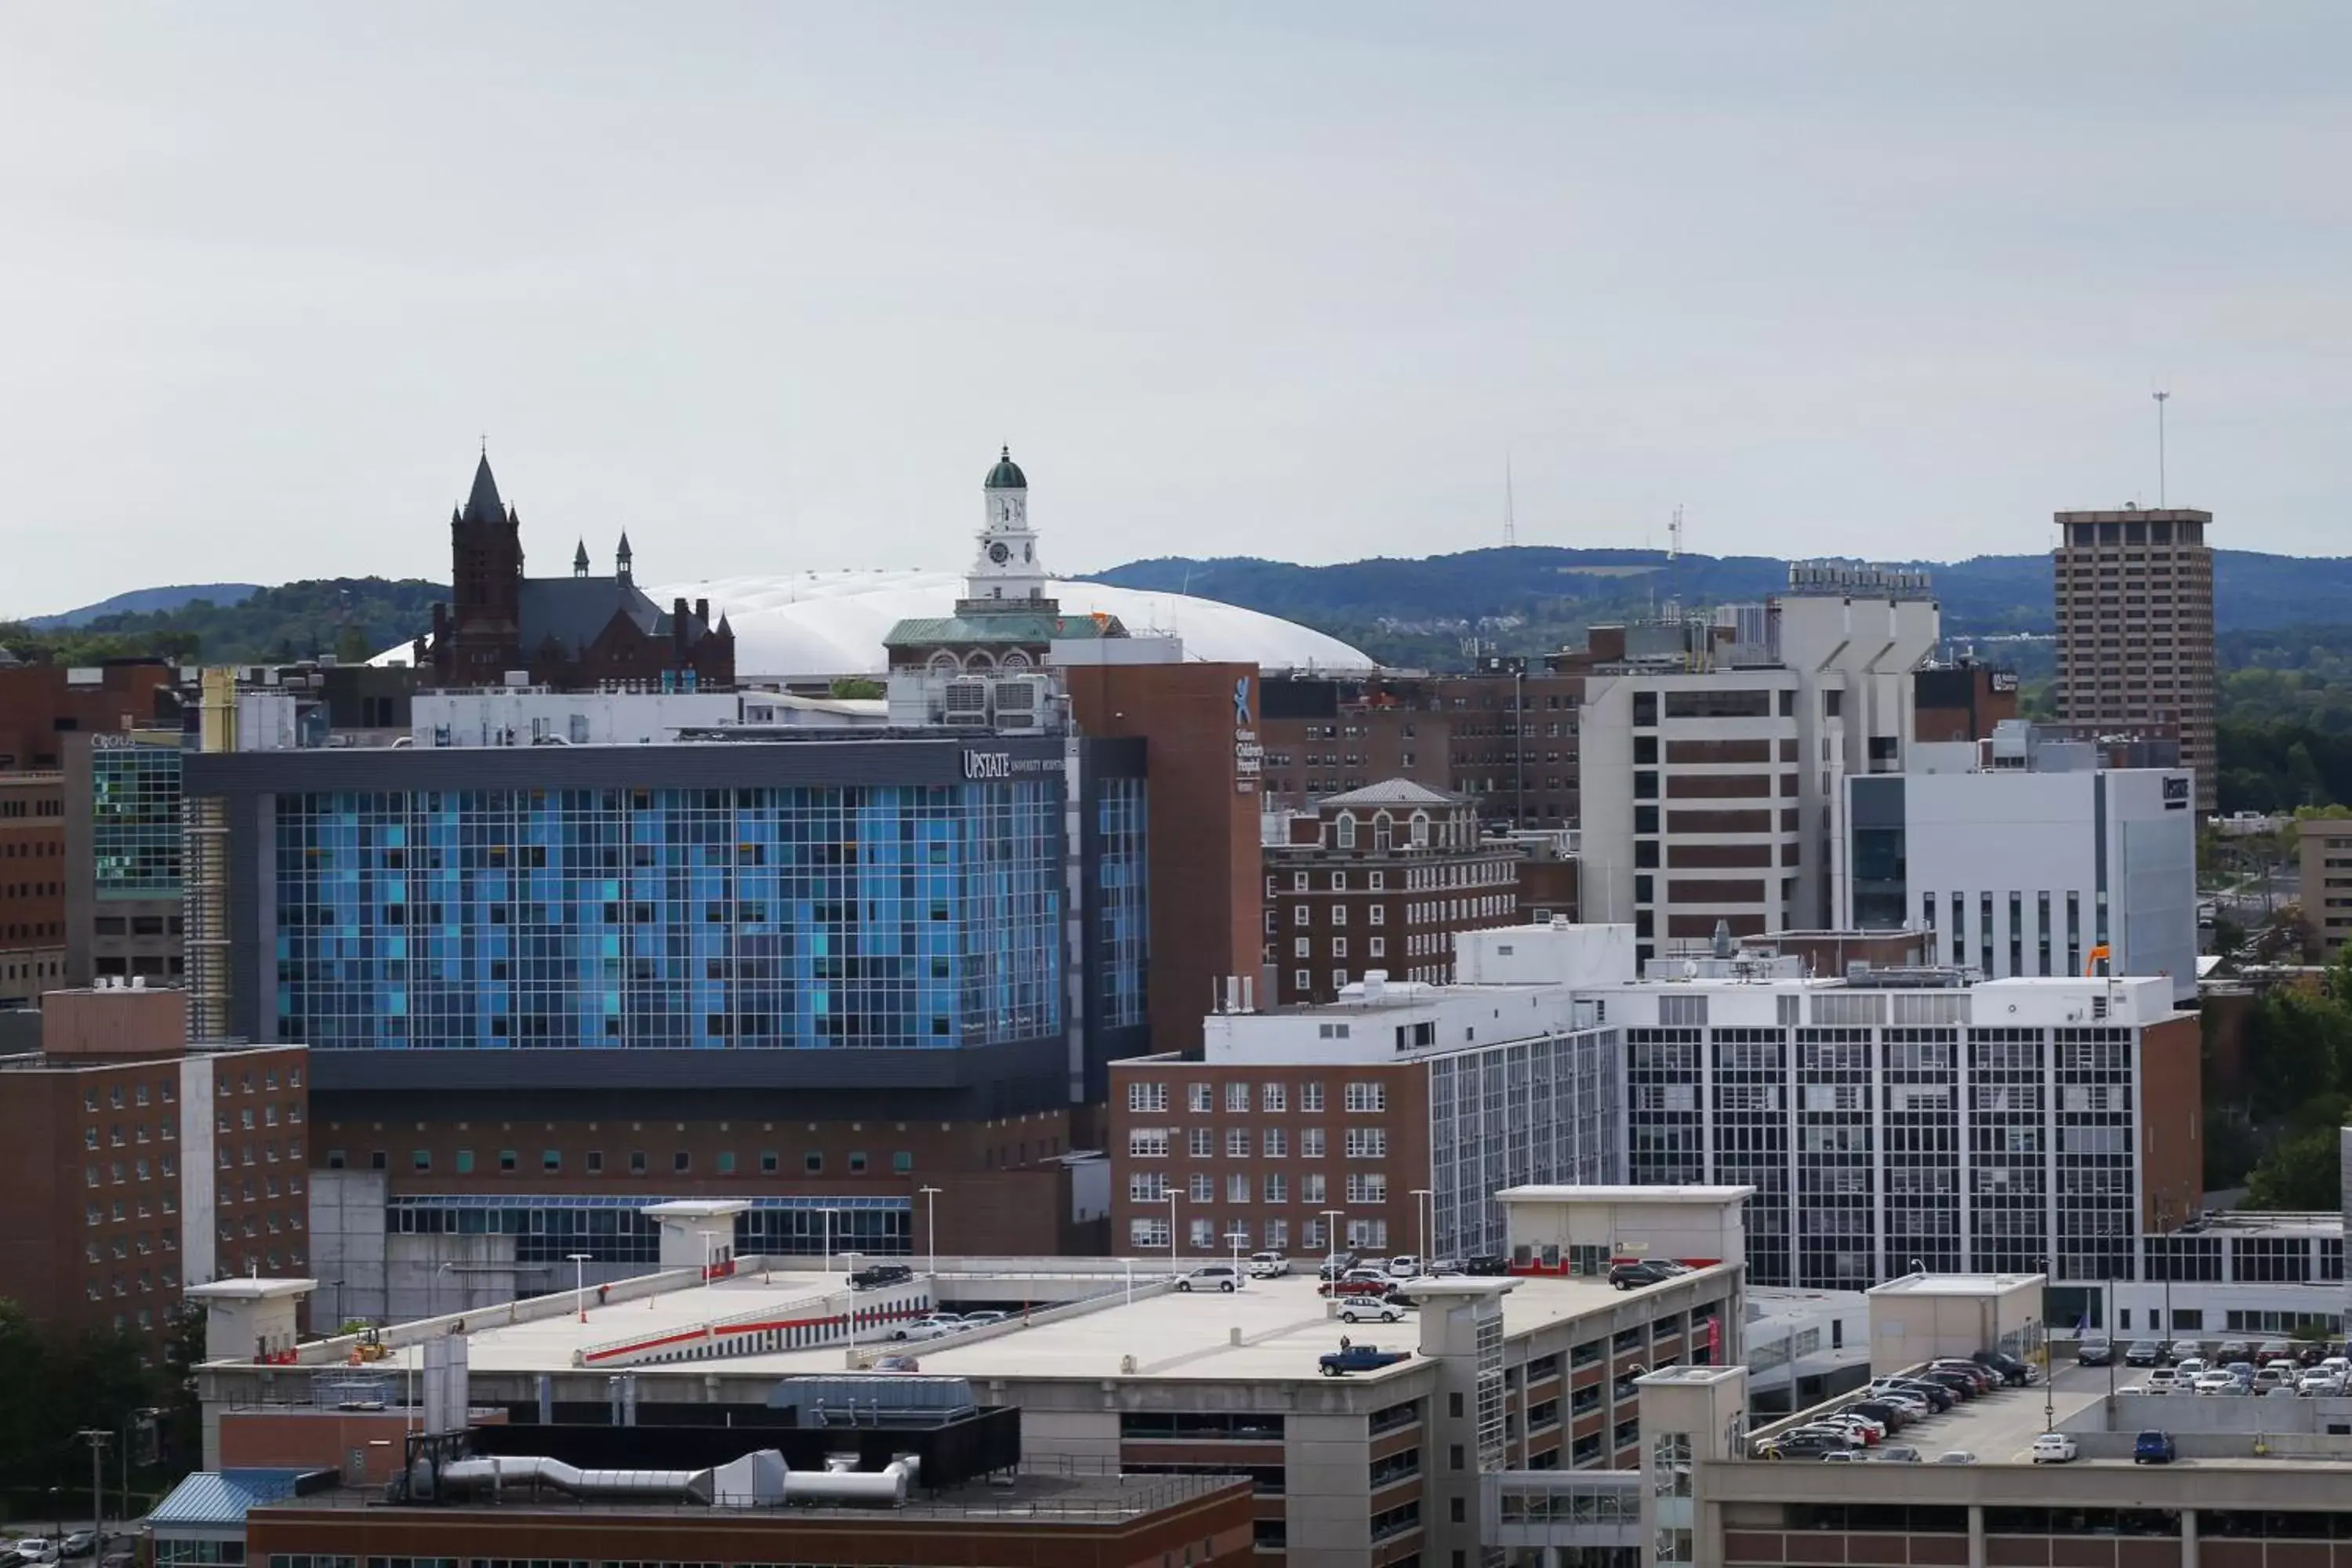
x=832 y=623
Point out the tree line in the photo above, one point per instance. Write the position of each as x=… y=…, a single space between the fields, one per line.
x=55 y=1382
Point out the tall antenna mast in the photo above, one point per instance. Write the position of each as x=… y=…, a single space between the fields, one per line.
x=2160 y=397
x=1510 y=512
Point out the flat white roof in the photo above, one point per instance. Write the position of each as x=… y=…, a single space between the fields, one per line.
x=1957 y=1284
x=250 y=1290
x=1173 y=1337
x=697 y=1208
x=1683 y=1194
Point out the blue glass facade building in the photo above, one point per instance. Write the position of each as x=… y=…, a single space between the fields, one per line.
x=878 y=920
x=891 y=917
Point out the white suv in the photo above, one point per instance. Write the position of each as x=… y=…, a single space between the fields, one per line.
x=1268 y=1265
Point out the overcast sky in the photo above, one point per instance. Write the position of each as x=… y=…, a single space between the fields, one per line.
x=768 y=284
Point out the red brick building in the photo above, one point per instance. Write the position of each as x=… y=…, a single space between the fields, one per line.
x=32 y=886
x=1381 y=879
x=134 y=1166
x=1198 y=723
x=40 y=703
x=1505 y=734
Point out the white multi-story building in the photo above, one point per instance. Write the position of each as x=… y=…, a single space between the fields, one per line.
x=2022 y=855
x=1713 y=755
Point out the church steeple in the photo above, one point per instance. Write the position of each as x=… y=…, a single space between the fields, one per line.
x=483 y=505
x=579 y=559
x=621 y=560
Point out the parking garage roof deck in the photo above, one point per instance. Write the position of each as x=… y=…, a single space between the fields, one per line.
x=1284 y=1326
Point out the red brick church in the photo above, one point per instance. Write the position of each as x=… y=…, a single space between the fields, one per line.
x=572 y=633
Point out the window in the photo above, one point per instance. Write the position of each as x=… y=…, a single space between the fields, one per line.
x=1273 y=1097
x=1367 y=1142
x=550 y=1160
x=1147 y=1097
x=1274 y=1143
x=1201 y=1143
x=1237 y=1143
x=506 y=1160
x=1237 y=1099
x=1366 y=1187
x=1311 y=1142
x=421 y=1160
x=1366 y=1096
x=1312 y=1188
x=1200 y=1099
x=1278 y=1187
x=1147 y=1143
x=1237 y=1188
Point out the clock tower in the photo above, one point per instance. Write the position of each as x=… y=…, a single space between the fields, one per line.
x=1006 y=570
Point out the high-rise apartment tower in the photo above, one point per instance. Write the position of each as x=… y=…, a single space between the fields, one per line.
x=2136 y=627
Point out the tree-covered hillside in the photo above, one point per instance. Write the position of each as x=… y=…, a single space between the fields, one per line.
x=350 y=618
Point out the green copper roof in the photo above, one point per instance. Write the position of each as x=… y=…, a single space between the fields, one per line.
x=1019 y=626
x=1007 y=474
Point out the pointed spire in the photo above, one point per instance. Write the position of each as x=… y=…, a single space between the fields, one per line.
x=483 y=504
x=622 y=558
x=725 y=628
x=580 y=560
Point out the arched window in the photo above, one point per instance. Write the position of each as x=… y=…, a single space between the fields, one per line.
x=1421 y=830
x=943 y=663
x=1382 y=832
x=1343 y=832
x=1015 y=659
x=980 y=658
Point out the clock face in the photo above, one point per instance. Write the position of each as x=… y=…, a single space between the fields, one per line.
x=1000 y=553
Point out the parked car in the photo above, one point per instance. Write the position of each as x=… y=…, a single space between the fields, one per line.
x=1978 y=1380
x=1369 y=1311
x=2216 y=1382
x=2143 y=1353
x=1807 y=1443
x=2094 y=1350
x=2163 y=1380
x=2189 y=1368
x=1268 y=1265
x=1885 y=1411
x=2267 y=1379
x=1439 y=1268
x=1339 y=1263
x=80 y=1544
x=2185 y=1350
x=1350 y=1358
x=1960 y=1387
x=1209 y=1276
x=2015 y=1373
x=880 y=1273
x=1956 y=1456
x=1648 y=1271
x=1404 y=1266
x=937 y=1326
x=2318 y=1383
x=1486 y=1263
x=2229 y=1351
x=1939 y=1398
x=897 y=1364
x=1872 y=1432
x=2053 y=1448
x=1898 y=1453
x=981 y=1319
x=2152 y=1447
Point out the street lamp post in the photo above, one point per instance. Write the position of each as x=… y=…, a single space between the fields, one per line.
x=828 y=1239
x=1172 y=1196
x=1240 y=1238
x=1420 y=1195
x=580 y=1283
x=931 y=1229
x=1331 y=1218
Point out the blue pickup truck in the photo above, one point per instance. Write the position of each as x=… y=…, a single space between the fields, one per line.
x=1352 y=1357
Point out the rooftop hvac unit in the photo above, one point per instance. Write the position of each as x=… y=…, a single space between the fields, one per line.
x=1020 y=702
x=965 y=701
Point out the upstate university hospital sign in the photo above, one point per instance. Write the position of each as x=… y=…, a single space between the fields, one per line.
x=1002 y=764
